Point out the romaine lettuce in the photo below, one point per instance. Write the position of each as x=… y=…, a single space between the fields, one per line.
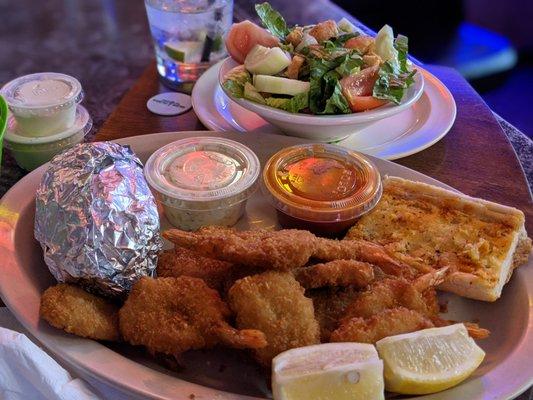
x=235 y=80
x=391 y=85
x=292 y=105
x=272 y=20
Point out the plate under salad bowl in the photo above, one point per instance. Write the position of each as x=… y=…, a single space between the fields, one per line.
x=414 y=128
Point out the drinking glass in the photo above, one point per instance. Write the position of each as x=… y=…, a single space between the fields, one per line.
x=188 y=36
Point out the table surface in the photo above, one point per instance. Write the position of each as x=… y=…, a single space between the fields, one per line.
x=107 y=45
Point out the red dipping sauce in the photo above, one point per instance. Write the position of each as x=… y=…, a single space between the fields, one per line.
x=322 y=188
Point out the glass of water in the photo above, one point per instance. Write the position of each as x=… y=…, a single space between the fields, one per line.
x=188 y=36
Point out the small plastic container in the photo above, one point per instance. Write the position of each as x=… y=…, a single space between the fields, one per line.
x=30 y=151
x=44 y=103
x=203 y=181
x=322 y=188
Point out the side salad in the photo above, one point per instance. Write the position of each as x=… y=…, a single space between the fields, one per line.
x=327 y=68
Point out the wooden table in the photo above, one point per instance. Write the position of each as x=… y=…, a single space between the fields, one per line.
x=474 y=157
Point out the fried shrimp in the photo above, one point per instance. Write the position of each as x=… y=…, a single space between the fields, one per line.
x=283 y=250
x=172 y=315
x=274 y=303
x=361 y=250
x=389 y=322
x=335 y=273
x=380 y=295
x=180 y=261
x=277 y=250
x=72 y=309
x=330 y=305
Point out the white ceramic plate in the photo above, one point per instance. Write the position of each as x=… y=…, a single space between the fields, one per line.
x=229 y=374
x=406 y=133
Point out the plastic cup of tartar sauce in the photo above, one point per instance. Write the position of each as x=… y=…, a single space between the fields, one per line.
x=203 y=181
x=43 y=103
x=32 y=151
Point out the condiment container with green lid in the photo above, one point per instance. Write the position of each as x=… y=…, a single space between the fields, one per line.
x=32 y=151
x=3 y=123
x=43 y=103
x=203 y=181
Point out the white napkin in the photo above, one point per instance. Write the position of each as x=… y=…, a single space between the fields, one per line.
x=27 y=372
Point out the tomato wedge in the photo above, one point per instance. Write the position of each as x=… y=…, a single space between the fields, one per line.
x=360 y=43
x=358 y=88
x=245 y=35
x=365 y=103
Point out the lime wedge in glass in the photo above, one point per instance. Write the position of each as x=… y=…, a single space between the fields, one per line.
x=184 y=51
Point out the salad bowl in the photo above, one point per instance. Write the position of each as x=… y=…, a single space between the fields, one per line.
x=323 y=128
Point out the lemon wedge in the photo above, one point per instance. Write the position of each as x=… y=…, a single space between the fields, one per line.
x=340 y=371
x=429 y=360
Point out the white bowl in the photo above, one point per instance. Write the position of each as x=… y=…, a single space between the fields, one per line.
x=323 y=128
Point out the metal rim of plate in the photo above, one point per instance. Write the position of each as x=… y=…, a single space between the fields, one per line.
x=20 y=289
x=421 y=125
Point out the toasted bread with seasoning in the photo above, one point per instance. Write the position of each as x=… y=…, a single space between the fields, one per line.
x=481 y=241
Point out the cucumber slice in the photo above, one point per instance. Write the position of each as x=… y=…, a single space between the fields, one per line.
x=251 y=93
x=345 y=25
x=266 y=61
x=185 y=51
x=278 y=85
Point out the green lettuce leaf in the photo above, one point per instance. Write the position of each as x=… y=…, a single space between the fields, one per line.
x=401 y=44
x=350 y=65
x=392 y=85
x=292 y=105
x=337 y=103
x=394 y=75
x=323 y=92
x=272 y=20
x=235 y=80
x=251 y=93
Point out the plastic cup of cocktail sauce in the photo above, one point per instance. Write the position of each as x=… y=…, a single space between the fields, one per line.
x=322 y=188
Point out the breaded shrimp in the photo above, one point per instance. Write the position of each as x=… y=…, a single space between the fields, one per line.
x=335 y=273
x=172 y=315
x=283 y=250
x=330 y=305
x=328 y=250
x=274 y=303
x=393 y=321
x=180 y=261
x=278 y=250
x=72 y=309
x=419 y=295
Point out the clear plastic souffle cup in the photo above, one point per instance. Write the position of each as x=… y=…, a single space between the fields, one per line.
x=31 y=152
x=321 y=187
x=43 y=103
x=203 y=181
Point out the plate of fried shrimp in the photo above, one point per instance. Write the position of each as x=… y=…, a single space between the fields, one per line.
x=226 y=301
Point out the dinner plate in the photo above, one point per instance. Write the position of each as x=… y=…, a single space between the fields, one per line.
x=411 y=131
x=227 y=373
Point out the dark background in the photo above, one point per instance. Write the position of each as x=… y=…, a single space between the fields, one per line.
x=433 y=29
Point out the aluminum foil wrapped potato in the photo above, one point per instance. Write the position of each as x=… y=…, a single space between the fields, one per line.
x=96 y=219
